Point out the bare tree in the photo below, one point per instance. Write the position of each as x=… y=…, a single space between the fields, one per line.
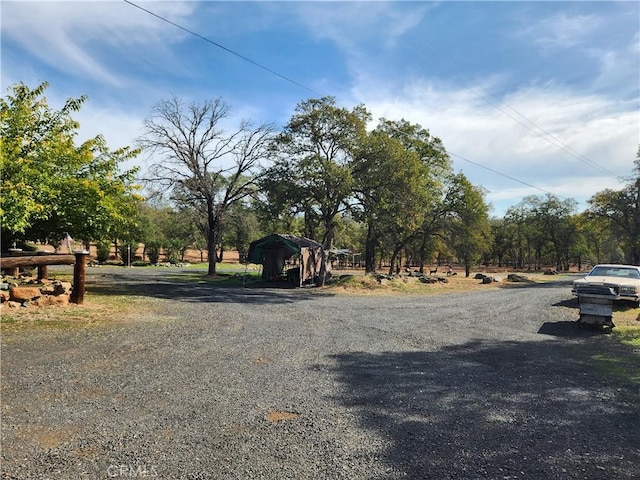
x=202 y=165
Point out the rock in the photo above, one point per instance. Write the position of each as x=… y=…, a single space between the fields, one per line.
x=4 y=296
x=48 y=289
x=428 y=280
x=51 y=300
x=23 y=294
x=61 y=300
x=550 y=271
x=443 y=280
x=487 y=280
x=61 y=288
x=514 y=277
x=12 y=304
x=480 y=276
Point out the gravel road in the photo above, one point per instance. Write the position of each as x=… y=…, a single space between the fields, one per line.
x=241 y=383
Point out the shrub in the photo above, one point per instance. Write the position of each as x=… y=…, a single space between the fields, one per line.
x=152 y=249
x=140 y=263
x=172 y=251
x=104 y=249
x=127 y=252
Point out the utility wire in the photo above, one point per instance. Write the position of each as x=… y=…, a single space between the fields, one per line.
x=273 y=72
x=545 y=135
x=246 y=59
x=530 y=124
x=503 y=174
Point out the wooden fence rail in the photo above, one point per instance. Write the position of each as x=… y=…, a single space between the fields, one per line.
x=77 y=259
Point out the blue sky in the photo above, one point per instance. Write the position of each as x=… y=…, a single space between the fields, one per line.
x=537 y=91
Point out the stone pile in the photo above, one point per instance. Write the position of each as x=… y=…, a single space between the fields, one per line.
x=28 y=291
x=422 y=277
x=486 y=279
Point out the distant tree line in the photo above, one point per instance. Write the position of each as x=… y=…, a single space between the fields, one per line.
x=388 y=193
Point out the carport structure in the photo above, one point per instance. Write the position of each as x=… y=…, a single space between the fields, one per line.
x=273 y=251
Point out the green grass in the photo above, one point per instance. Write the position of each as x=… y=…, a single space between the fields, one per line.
x=627 y=335
x=622 y=367
x=622 y=363
x=221 y=278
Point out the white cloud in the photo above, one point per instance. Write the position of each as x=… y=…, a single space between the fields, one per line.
x=83 y=37
x=353 y=26
x=562 y=30
x=591 y=126
x=619 y=69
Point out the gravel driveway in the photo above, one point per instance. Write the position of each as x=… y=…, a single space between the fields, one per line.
x=239 y=383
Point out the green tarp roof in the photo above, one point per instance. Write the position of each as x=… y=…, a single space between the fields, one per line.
x=275 y=241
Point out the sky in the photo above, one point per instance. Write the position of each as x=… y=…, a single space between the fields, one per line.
x=528 y=98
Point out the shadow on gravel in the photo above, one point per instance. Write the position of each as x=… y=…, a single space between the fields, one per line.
x=569 y=303
x=535 y=410
x=567 y=329
x=173 y=286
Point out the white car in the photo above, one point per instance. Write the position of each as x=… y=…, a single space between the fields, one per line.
x=621 y=280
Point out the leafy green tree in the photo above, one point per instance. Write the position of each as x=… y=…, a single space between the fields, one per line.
x=103 y=250
x=555 y=218
x=620 y=211
x=597 y=235
x=545 y=230
x=468 y=221
x=281 y=206
x=50 y=185
x=436 y=176
x=152 y=250
x=502 y=242
x=207 y=169
x=390 y=186
x=518 y=229
x=580 y=252
x=241 y=227
x=312 y=164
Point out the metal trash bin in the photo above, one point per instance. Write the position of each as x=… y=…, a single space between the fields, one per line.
x=596 y=307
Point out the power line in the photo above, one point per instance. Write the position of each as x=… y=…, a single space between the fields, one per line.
x=273 y=72
x=201 y=37
x=502 y=174
x=530 y=124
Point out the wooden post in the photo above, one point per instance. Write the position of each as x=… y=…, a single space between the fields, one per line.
x=79 y=274
x=42 y=272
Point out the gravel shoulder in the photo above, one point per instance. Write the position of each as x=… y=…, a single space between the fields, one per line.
x=239 y=383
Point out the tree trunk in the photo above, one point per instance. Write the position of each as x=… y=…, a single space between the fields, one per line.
x=369 y=253
x=325 y=253
x=212 y=238
x=423 y=251
x=212 y=254
x=394 y=259
x=369 y=259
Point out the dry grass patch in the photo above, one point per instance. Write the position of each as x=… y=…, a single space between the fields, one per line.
x=360 y=284
x=97 y=310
